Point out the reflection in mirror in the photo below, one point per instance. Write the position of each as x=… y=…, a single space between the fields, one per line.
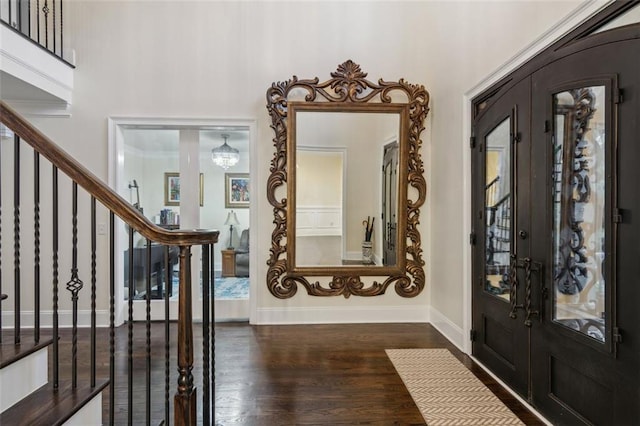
x=579 y=207
x=339 y=129
x=498 y=210
x=339 y=157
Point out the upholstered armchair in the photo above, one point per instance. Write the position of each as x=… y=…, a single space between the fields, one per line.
x=242 y=255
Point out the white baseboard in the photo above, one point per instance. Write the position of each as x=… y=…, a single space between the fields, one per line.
x=65 y=319
x=338 y=315
x=445 y=326
x=231 y=309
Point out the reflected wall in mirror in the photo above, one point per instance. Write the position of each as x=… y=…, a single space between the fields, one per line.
x=346 y=185
x=339 y=160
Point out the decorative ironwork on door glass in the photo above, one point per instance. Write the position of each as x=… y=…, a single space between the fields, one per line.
x=579 y=203
x=497 y=198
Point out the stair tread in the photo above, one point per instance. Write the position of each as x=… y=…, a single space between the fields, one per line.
x=10 y=352
x=51 y=407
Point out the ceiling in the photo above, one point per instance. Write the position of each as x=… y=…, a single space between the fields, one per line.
x=159 y=139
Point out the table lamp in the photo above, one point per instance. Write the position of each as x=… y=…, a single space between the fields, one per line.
x=231 y=221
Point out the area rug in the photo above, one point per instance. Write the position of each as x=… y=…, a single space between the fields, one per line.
x=446 y=392
x=224 y=288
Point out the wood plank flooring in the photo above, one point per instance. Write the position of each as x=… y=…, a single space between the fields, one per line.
x=282 y=375
x=324 y=374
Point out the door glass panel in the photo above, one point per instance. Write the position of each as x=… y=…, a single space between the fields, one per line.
x=498 y=209
x=579 y=210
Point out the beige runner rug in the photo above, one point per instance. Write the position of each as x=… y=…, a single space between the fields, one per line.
x=446 y=392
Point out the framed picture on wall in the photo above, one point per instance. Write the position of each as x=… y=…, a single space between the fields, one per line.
x=172 y=189
x=236 y=190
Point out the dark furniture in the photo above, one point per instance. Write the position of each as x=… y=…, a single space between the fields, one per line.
x=242 y=255
x=157 y=269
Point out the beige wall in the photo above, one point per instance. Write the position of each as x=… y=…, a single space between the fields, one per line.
x=216 y=59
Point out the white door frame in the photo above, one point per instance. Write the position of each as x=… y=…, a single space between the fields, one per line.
x=115 y=127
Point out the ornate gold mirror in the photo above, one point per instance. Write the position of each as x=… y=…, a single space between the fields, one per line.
x=346 y=185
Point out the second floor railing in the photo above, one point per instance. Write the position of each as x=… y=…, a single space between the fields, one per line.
x=41 y=21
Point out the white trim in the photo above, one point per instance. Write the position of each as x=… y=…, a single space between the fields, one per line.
x=115 y=126
x=25 y=61
x=231 y=309
x=59 y=109
x=447 y=328
x=512 y=392
x=342 y=315
x=65 y=318
x=580 y=14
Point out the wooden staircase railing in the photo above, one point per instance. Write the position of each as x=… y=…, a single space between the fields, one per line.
x=184 y=404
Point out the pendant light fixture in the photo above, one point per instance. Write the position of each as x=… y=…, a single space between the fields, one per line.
x=224 y=155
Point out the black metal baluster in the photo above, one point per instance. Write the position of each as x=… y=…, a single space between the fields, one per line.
x=61 y=32
x=19 y=6
x=29 y=19
x=56 y=356
x=206 y=406
x=38 y=21
x=9 y=21
x=16 y=237
x=148 y=331
x=45 y=10
x=36 y=246
x=130 y=333
x=93 y=291
x=112 y=317
x=74 y=285
x=53 y=33
x=167 y=334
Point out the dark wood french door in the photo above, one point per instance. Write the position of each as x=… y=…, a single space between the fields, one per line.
x=556 y=258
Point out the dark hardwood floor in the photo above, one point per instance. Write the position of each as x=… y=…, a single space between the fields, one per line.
x=282 y=375
x=324 y=374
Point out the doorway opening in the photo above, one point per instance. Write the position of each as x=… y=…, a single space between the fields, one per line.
x=166 y=170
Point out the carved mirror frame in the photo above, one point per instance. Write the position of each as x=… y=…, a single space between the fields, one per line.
x=347 y=91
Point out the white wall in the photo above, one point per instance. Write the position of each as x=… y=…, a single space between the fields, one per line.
x=216 y=59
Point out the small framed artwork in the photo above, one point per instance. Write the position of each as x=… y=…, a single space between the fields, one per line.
x=236 y=190
x=172 y=189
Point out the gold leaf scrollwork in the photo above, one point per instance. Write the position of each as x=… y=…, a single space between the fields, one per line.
x=347 y=85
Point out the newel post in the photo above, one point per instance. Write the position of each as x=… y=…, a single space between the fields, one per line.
x=185 y=399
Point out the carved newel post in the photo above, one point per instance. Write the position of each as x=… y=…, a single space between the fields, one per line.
x=185 y=399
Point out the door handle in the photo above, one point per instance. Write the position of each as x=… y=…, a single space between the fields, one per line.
x=530 y=266
x=513 y=288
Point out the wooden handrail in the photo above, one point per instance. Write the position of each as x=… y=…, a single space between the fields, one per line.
x=96 y=187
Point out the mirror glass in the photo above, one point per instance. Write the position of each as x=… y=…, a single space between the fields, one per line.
x=346 y=188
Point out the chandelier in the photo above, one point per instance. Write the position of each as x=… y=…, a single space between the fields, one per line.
x=225 y=156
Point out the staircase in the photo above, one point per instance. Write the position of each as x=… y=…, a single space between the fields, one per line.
x=28 y=398
x=52 y=272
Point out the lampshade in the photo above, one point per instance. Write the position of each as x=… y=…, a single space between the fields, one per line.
x=224 y=155
x=232 y=219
